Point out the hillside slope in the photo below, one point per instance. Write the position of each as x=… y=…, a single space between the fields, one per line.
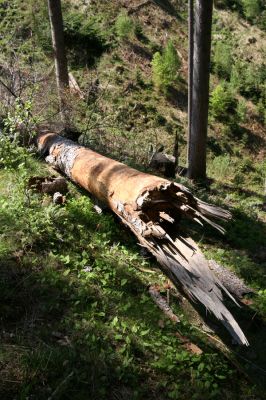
x=77 y=319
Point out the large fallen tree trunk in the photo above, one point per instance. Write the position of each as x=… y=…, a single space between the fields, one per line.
x=152 y=207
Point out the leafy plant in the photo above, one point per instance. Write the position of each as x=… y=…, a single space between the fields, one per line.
x=251 y=8
x=222 y=102
x=85 y=38
x=241 y=110
x=18 y=132
x=249 y=79
x=223 y=59
x=11 y=154
x=124 y=26
x=220 y=166
x=165 y=67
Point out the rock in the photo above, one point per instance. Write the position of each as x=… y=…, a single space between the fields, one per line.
x=57 y=185
x=48 y=184
x=165 y=163
x=251 y=40
x=58 y=198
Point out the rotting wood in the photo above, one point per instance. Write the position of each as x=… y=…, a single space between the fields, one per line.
x=48 y=184
x=233 y=283
x=142 y=202
x=74 y=87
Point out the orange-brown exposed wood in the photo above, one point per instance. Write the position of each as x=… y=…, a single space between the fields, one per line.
x=152 y=207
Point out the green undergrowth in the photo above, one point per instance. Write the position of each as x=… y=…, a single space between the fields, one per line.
x=76 y=316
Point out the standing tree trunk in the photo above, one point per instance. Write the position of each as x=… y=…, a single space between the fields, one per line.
x=200 y=89
x=190 y=62
x=61 y=71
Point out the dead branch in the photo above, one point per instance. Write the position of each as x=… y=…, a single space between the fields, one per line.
x=74 y=87
x=162 y=304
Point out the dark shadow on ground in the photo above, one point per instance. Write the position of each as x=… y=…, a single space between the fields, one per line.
x=168 y=7
x=177 y=98
x=254 y=143
x=141 y=51
x=43 y=350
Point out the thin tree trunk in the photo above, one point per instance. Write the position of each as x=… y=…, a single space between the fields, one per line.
x=152 y=208
x=200 y=89
x=190 y=65
x=60 y=59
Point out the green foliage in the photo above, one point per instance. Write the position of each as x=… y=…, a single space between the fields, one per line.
x=102 y=326
x=222 y=102
x=24 y=28
x=139 y=33
x=223 y=59
x=261 y=108
x=11 y=154
x=124 y=27
x=18 y=131
x=231 y=4
x=251 y=8
x=249 y=79
x=220 y=166
x=261 y=303
x=73 y=286
x=85 y=38
x=241 y=111
x=20 y=123
x=165 y=67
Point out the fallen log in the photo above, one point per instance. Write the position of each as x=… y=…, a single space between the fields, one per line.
x=152 y=207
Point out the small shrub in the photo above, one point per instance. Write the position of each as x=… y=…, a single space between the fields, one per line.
x=237 y=72
x=241 y=110
x=138 y=30
x=224 y=4
x=12 y=156
x=251 y=8
x=223 y=59
x=222 y=102
x=249 y=80
x=220 y=167
x=165 y=67
x=18 y=132
x=139 y=78
x=261 y=109
x=124 y=26
x=85 y=39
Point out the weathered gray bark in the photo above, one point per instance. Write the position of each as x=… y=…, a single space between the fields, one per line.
x=61 y=71
x=200 y=89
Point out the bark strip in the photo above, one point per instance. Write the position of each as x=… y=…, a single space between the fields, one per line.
x=152 y=207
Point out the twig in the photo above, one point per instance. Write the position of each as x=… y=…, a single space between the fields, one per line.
x=61 y=384
x=162 y=304
x=8 y=89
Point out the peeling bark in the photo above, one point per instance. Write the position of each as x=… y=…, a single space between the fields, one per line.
x=152 y=207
